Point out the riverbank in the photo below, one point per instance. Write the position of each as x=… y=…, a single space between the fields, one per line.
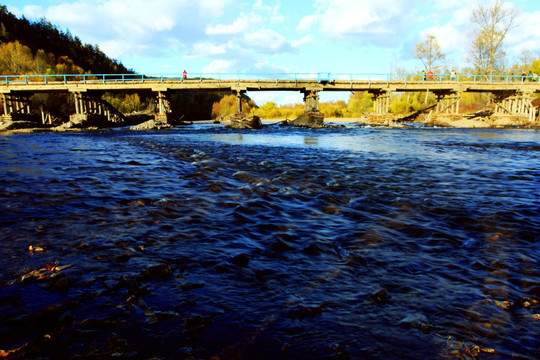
x=449 y=121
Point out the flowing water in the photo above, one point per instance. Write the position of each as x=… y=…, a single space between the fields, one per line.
x=201 y=242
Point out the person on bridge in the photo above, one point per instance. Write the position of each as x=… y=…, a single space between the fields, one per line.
x=430 y=74
x=184 y=75
x=452 y=75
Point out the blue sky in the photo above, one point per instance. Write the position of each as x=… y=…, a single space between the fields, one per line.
x=275 y=36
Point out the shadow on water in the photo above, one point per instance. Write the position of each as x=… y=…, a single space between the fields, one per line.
x=291 y=244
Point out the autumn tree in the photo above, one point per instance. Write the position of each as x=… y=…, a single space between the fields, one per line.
x=227 y=105
x=360 y=102
x=494 y=22
x=16 y=58
x=333 y=108
x=429 y=53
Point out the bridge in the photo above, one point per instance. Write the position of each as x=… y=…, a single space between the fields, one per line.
x=512 y=94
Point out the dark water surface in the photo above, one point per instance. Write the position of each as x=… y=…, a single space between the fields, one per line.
x=352 y=243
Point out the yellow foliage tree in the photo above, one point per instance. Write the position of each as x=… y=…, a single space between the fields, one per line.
x=65 y=65
x=16 y=59
x=360 y=102
x=228 y=106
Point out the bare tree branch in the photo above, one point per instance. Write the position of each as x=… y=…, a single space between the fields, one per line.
x=494 y=21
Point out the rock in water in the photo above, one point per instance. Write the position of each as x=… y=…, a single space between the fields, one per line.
x=312 y=119
x=239 y=121
x=151 y=125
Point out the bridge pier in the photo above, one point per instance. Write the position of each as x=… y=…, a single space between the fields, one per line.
x=93 y=106
x=163 y=107
x=239 y=96
x=448 y=103
x=381 y=102
x=311 y=100
x=517 y=104
x=16 y=105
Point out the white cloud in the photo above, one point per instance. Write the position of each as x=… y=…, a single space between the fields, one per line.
x=453 y=36
x=238 y=26
x=266 y=40
x=219 y=66
x=134 y=28
x=202 y=50
x=308 y=39
x=377 y=21
x=445 y=5
x=273 y=13
x=524 y=38
x=307 y=22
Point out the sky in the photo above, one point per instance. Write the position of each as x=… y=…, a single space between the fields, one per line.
x=164 y=37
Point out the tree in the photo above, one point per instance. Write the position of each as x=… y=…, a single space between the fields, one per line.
x=360 y=102
x=16 y=59
x=495 y=21
x=429 y=53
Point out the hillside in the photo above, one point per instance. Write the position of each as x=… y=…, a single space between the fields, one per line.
x=43 y=43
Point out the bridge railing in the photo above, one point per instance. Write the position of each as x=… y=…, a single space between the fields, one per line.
x=206 y=77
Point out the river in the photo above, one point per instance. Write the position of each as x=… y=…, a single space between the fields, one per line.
x=203 y=242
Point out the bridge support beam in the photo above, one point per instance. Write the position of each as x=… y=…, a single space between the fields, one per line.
x=16 y=105
x=448 y=103
x=517 y=104
x=381 y=102
x=92 y=105
x=311 y=101
x=163 y=106
x=239 y=96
